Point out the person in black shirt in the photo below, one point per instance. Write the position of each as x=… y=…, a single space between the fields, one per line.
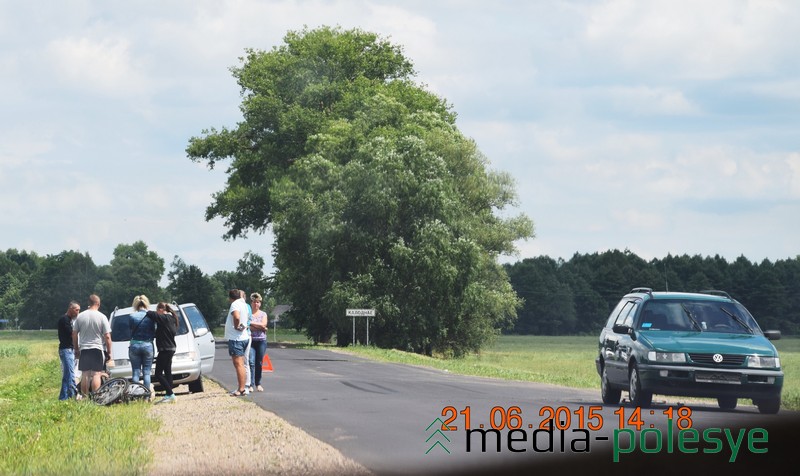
x=166 y=327
x=66 y=353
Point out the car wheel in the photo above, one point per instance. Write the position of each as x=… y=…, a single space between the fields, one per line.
x=727 y=403
x=197 y=385
x=637 y=396
x=768 y=405
x=610 y=395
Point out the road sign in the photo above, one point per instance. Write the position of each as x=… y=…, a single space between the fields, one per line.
x=361 y=312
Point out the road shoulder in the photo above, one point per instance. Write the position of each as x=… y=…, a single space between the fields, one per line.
x=214 y=433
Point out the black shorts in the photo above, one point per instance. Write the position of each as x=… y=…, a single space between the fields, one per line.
x=92 y=359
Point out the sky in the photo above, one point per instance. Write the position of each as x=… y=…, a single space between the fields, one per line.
x=661 y=127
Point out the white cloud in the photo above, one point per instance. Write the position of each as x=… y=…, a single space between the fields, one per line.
x=19 y=146
x=696 y=40
x=106 y=65
x=644 y=100
x=639 y=219
x=785 y=89
x=793 y=161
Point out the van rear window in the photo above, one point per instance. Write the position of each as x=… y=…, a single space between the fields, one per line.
x=121 y=327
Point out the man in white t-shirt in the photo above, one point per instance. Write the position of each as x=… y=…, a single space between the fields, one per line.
x=237 y=337
x=90 y=333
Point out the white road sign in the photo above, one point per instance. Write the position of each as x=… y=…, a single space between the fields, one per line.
x=361 y=312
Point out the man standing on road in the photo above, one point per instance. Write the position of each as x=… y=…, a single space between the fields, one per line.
x=65 y=351
x=238 y=338
x=247 y=376
x=89 y=333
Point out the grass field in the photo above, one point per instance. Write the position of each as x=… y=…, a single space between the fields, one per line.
x=40 y=435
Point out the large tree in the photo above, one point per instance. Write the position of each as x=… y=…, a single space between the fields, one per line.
x=187 y=283
x=549 y=307
x=376 y=199
x=57 y=280
x=133 y=270
x=16 y=268
x=249 y=274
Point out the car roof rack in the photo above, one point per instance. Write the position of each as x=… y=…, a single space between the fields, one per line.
x=643 y=290
x=716 y=292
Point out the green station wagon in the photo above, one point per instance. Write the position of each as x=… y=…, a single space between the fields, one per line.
x=687 y=344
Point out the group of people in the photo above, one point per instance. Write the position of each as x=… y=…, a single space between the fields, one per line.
x=85 y=336
x=246 y=332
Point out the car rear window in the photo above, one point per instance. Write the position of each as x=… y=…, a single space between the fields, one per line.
x=121 y=327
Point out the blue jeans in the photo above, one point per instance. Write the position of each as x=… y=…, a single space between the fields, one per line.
x=257 y=351
x=141 y=356
x=68 y=388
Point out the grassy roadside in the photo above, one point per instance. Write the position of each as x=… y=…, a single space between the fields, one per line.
x=41 y=435
x=561 y=360
x=567 y=361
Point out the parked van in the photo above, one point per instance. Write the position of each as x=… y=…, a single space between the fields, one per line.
x=194 y=356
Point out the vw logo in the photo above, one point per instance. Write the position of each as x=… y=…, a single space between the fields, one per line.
x=717 y=358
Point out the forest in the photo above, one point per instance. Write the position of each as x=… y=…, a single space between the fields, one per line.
x=35 y=290
x=574 y=297
x=559 y=297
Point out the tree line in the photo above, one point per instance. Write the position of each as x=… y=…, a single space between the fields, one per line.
x=35 y=290
x=558 y=297
x=576 y=296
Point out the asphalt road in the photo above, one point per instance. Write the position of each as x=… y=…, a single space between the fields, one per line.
x=389 y=418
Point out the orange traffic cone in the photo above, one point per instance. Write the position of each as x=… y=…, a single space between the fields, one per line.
x=266 y=364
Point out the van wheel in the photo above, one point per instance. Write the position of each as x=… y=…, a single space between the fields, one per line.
x=727 y=403
x=610 y=395
x=197 y=385
x=637 y=396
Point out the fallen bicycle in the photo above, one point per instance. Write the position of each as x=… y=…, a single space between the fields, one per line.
x=119 y=390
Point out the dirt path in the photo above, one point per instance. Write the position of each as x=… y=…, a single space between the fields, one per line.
x=214 y=433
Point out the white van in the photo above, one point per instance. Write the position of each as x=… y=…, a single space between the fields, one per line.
x=194 y=356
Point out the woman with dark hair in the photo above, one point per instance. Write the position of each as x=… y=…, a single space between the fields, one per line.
x=166 y=327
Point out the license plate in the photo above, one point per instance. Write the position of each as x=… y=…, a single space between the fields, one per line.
x=718 y=377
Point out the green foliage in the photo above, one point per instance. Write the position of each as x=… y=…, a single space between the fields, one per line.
x=12 y=285
x=35 y=291
x=57 y=280
x=595 y=283
x=289 y=94
x=249 y=274
x=133 y=270
x=187 y=283
x=12 y=350
x=549 y=306
x=374 y=196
